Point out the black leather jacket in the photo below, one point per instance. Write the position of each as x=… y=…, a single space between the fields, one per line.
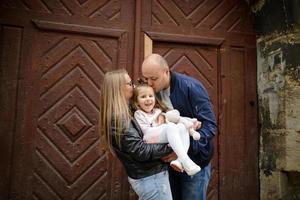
x=139 y=158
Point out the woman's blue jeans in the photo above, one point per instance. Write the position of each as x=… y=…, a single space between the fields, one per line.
x=185 y=187
x=155 y=187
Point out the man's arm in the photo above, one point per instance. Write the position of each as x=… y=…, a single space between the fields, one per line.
x=203 y=111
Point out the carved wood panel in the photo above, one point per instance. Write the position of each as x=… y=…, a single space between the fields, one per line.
x=214 y=15
x=238 y=164
x=65 y=48
x=10 y=54
x=68 y=162
x=98 y=9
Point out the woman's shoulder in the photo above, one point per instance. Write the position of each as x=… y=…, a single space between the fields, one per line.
x=133 y=128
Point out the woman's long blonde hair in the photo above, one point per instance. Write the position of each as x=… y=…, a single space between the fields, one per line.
x=114 y=109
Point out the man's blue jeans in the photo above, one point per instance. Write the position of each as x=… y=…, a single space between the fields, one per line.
x=185 y=187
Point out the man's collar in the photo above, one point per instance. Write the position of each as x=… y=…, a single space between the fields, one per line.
x=167 y=91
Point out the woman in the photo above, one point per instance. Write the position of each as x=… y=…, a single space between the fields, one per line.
x=147 y=174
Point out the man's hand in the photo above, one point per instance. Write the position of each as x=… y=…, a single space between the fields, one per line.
x=160 y=120
x=170 y=157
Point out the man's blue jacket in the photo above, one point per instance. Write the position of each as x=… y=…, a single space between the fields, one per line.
x=191 y=99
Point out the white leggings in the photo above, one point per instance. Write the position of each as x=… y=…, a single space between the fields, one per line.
x=175 y=134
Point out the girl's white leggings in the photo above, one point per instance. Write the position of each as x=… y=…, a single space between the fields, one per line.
x=174 y=134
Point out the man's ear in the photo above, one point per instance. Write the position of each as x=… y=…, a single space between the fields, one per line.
x=167 y=71
x=168 y=74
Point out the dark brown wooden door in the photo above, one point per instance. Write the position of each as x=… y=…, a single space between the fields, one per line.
x=53 y=55
x=56 y=53
x=213 y=41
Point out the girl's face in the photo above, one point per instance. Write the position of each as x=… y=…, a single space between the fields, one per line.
x=128 y=88
x=146 y=99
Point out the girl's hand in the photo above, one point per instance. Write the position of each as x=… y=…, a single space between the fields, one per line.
x=197 y=124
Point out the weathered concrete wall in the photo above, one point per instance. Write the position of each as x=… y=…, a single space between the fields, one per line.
x=279 y=114
x=278 y=71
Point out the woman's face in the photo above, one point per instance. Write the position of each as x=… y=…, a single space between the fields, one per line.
x=128 y=88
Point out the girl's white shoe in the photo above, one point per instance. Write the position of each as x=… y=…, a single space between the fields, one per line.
x=190 y=167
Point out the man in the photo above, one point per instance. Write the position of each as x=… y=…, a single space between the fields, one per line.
x=190 y=98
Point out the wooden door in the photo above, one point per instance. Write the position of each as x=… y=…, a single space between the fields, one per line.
x=213 y=41
x=54 y=55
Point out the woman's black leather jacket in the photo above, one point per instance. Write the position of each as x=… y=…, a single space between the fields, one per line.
x=139 y=158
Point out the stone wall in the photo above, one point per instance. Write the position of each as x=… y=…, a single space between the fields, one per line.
x=278 y=75
x=279 y=115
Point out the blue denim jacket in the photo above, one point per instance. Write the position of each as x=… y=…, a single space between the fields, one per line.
x=191 y=99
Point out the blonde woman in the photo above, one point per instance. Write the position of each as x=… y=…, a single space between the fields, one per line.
x=147 y=173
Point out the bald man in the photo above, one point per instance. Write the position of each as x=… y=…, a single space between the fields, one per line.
x=191 y=99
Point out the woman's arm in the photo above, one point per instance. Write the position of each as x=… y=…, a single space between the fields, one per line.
x=132 y=143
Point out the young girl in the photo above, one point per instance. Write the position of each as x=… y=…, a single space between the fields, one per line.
x=152 y=122
x=121 y=134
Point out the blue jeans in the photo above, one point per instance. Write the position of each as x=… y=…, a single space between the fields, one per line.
x=185 y=187
x=155 y=187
